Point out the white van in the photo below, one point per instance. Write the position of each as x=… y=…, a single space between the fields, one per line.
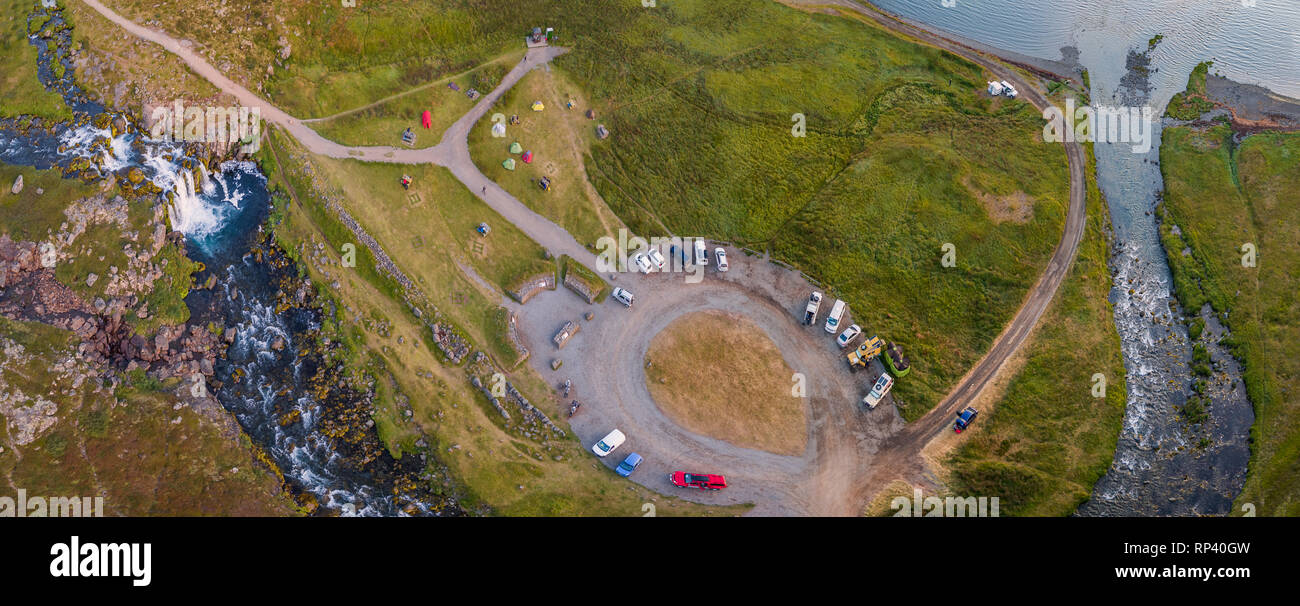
x=623 y=296
x=607 y=444
x=701 y=253
x=833 y=320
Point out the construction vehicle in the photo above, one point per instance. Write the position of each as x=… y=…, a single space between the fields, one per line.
x=865 y=353
x=810 y=312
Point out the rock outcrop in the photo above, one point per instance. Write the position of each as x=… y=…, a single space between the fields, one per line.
x=30 y=292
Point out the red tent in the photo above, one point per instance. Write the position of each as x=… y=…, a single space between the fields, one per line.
x=528 y=157
x=427 y=119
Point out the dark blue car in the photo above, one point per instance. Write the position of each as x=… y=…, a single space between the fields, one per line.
x=629 y=465
x=964 y=419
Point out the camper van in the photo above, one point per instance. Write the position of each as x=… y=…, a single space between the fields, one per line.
x=833 y=320
x=701 y=253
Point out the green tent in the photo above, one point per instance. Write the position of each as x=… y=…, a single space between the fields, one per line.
x=509 y=164
x=515 y=148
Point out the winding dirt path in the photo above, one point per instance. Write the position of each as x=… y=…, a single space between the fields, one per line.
x=851 y=454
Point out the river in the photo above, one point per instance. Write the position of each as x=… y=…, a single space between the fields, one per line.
x=1161 y=466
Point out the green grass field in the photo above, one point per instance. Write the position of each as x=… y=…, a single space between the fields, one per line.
x=1048 y=439
x=1221 y=197
x=894 y=165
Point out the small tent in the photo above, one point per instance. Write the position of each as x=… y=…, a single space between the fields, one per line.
x=426 y=119
x=509 y=164
x=528 y=157
x=537 y=106
x=591 y=114
x=516 y=148
x=601 y=131
x=498 y=130
x=545 y=183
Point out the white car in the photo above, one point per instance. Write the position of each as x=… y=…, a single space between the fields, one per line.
x=848 y=334
x=657 y=258
x=721 y=256
x=837 y=313
x=642 y=263
x=701 y=253
x=607 y=444
x=623 y=296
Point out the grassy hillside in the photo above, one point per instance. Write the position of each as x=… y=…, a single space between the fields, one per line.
x=1048 y=440
x=894 y=165
x=1221 y=196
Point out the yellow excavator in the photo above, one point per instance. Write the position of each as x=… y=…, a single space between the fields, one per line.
x=865 y=353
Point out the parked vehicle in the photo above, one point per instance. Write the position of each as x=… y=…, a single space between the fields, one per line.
x=629 y=465
x=867 y=351
x=878 y=391
x=703 y=481
x=607 y=444
x=964 y=419
x=701 y=253
x=657 y=258
x=642 y=263
x=848 y=335
x=810 y=312
x=837 y=313
x=680 y=252
x=721 y=256
x=623 y=296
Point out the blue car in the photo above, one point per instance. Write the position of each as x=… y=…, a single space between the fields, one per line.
x=964 y=419
x=629 y=465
